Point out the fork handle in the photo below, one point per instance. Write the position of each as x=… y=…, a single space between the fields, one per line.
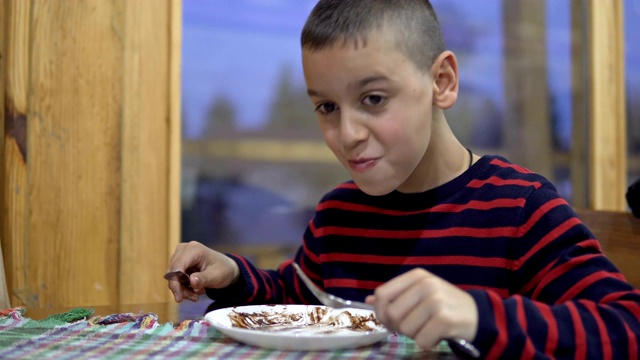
x=358 y=305
x=463 y=348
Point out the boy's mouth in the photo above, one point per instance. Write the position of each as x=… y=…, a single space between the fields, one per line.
x=362 y=165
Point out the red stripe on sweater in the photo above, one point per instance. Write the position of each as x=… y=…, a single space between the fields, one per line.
x=287 y=265
x=540 y=212
x=522 y=319
x=311 y=274
x=298 y=288
x=494 y=180
x=307 y=252
x=633 y=342
x=590 y=243
x=584 y=283
x=351 y=283
x=537 y=278
x=503 y=293
x=341 y=205
x=580 y=340
x=283 y=266
x=253 y=280
x=349 y=185
x=267 y=288
x=529 y=351
x=607 y=352
x=562 y=269
x=372 y=285
x=479 y=205
x=632 y=306
x=501 y=263
x=535 y=281
x=552 y=328
x=549 y=237
x=500 y=317
x=311 y=256
x=515 y=167
x=287 y=297
x=415 y=234
x=616 y=295
x=450 y=208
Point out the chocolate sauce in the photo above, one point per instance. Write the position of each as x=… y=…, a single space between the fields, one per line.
x=316 y=320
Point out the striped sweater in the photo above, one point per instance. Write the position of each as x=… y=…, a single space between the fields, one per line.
x=542 y=286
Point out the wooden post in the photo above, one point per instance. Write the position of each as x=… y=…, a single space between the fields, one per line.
x=175 y=135
x=87 y=159
x=527 y=123
x=607 y=112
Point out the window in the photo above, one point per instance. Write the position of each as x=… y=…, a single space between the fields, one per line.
x=254 y=164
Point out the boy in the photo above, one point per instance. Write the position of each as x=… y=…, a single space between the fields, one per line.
x=443 y=243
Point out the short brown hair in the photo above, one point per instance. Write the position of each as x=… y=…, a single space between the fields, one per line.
x=417 y=29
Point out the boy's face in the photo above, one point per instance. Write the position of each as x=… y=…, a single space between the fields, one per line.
x=375 y=111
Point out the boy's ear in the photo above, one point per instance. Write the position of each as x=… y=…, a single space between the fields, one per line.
x=444 y=73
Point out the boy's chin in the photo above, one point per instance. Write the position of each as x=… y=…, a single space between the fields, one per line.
x=374 y=189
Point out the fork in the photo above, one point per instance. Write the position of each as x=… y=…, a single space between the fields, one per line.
x=326 y=298
x=336 y=302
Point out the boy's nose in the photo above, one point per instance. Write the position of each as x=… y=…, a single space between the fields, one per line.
x=352 y=130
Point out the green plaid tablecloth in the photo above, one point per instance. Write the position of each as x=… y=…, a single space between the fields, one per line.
x=131 y=336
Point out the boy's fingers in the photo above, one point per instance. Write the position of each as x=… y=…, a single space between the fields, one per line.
x=213 y=276
x=177 y=254
x=388 y=291
x=197 y=282
x=176 y=289
x=415 y=321
x=388 y=303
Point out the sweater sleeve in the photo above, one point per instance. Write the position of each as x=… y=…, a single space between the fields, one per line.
x=567 y=300
x=280 y=286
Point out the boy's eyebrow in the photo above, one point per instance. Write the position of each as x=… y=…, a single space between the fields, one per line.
x=360 y=84
x=364 y=82
x=312 y=92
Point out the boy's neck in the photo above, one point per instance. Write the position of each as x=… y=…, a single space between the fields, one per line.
x=445 y=159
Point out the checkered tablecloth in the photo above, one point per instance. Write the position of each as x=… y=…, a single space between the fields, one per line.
x=132 y=336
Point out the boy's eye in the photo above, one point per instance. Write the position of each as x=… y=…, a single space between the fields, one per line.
x=326 y=108
x=374 y=100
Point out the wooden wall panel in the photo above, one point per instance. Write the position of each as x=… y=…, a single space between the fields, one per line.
x=74 y=153
x=4 y=293
x=13 y=171
x=91 y=93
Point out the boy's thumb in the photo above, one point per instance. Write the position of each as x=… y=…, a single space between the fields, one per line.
x=198 y=281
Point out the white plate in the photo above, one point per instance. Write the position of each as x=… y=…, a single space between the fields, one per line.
x=298 y=327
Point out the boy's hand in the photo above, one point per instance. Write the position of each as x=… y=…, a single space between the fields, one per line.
x=206 y=268
x=425 y=308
